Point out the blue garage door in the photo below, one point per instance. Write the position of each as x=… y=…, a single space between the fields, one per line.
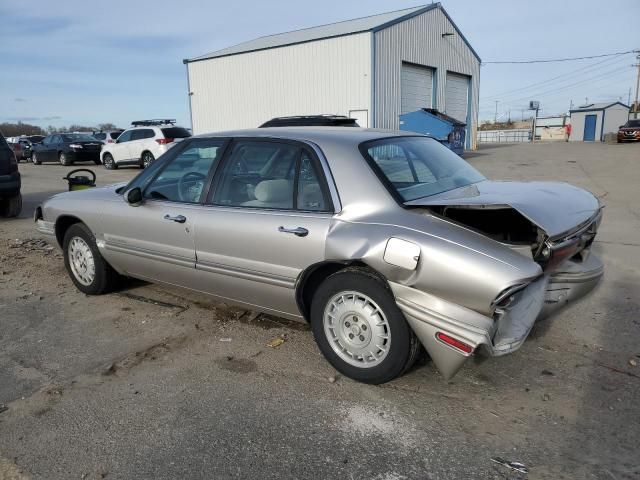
x=589 y=128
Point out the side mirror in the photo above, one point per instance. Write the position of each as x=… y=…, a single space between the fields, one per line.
x=133 y=197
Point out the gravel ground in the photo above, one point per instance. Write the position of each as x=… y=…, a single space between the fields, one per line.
x=158 y=383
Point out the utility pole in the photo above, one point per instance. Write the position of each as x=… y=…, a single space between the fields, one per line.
x=571 y=104
x=635 y=107
x=495 y=117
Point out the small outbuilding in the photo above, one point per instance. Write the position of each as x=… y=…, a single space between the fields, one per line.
x=373 y=69
x=591 y=122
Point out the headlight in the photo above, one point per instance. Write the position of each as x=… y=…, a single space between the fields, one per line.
x=75 y=145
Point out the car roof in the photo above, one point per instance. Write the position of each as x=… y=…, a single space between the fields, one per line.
x=315 y=134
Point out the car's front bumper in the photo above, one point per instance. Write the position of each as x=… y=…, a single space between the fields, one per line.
x=509 y=327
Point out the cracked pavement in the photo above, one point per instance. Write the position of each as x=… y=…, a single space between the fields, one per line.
x=154 y=382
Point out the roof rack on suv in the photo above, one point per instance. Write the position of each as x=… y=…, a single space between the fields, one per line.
x=153 y=121
x=326 y=120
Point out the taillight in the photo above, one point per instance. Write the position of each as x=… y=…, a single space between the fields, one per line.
x=109 y=141
x=455 y=343
x=164 y=141
x=13 y=163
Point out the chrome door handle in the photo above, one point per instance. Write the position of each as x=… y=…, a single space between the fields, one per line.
x=177 y=218
x=298 y=231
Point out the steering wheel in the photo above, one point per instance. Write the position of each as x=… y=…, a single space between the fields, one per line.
x=187 y=184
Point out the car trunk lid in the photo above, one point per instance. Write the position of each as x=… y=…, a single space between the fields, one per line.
x=556 y=208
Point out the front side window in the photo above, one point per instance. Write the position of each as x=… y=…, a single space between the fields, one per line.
x=183 y=178
x=125 y=137
x=416 y=167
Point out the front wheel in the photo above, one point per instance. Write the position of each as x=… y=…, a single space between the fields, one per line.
x=34 y=159
x=147 y=159
x=360 y=329
x=90 y=273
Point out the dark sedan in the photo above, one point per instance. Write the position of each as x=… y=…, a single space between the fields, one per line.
x=630 y=131
x=67 y=148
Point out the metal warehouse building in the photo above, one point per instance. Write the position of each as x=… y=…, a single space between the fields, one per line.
x=373 y=69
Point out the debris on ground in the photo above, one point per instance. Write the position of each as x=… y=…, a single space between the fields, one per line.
x=633 y=362
x=3 y=408
x=548 y=373
x=546 y=397
x=275 y=342
x=517 y=466
x=225 y=339
x=32 y=244
x=332 y=379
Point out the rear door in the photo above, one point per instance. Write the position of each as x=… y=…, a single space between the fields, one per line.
x=139 y=141
x=267 y=220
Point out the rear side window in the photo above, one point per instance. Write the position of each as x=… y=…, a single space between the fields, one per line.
x=142 y=134
x=175 y=132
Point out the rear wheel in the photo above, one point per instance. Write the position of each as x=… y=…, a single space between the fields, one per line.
x=147 y=159
x=34 y=159
x=64 y=159
x=108 y=161
x=90 y=273
x=11 y=207
x=360 y=329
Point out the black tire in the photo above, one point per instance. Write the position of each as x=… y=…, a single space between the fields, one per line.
x=64 y=160
x=11 y=207
x=108 y=162
x=403 y=348
x=34 y=159
x=146 y=159
x=105 y=278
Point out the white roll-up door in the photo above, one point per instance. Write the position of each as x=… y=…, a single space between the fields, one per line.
x=416 y=89
x=457 y=96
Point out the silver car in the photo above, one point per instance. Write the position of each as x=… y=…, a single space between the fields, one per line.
x=386 y=242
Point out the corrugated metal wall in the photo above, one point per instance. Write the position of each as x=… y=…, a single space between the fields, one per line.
x=245 y=90
x=419 y=40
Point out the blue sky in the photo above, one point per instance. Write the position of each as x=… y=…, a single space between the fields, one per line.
x=92 y=62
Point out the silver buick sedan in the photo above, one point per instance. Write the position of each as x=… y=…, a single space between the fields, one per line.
x=386 y=242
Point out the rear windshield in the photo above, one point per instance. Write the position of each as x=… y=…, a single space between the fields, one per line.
x=78 y=137
x=416 y=167
x=633 y=123
x=175 y=132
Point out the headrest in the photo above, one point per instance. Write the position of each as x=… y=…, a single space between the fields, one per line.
x=270 y=191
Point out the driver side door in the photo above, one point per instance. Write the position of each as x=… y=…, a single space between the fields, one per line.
x=154 y=240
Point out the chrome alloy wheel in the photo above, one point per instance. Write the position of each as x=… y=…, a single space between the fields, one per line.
x=81 y=261
x=357 y=329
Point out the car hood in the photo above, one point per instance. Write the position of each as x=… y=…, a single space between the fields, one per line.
x=554 y=207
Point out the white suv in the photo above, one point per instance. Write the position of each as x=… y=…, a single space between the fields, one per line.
x=141 y=144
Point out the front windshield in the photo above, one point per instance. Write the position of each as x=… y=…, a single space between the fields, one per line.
x=78 y=137
x=416 y=167
x=633 y=123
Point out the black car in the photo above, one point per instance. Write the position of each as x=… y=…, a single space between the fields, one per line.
x=312 y=121
x=67 y=148
x=10 y=198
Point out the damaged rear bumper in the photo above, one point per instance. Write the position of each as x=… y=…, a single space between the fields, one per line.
x=507 y=330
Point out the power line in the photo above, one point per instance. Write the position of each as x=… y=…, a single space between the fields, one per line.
x=572 y=73
x=560 y=59
x=596 y=78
